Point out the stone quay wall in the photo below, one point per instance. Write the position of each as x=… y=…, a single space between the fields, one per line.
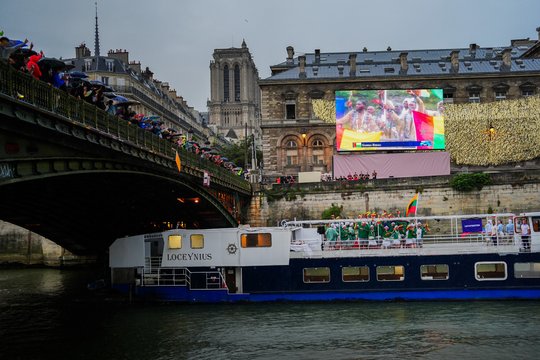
x=517 y=191
x=22 y=247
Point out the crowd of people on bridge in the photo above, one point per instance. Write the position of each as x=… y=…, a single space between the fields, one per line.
x=22 y=57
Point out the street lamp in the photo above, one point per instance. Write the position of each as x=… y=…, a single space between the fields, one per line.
x=304 y=136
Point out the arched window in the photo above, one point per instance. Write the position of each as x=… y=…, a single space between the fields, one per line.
x=318 y=152
x=291 y=152
x=236 y=83
x=226 y=83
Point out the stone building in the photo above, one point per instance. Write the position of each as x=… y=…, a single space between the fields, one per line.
x=234 y=105
x=296 y=138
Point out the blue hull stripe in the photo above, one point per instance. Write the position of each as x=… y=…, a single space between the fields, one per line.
x=182 y=294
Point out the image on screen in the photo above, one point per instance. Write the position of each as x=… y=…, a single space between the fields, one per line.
x=389 y=120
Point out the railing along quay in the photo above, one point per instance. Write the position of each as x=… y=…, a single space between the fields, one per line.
x=31 y=92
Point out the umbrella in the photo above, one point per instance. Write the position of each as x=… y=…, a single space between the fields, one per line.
x=109 y=94
x=25 y=52
x=97 y=83
x=52 y=63
x=128 y=103
x=214 y=152
x=78 y=74
x=206 y=148
x=224 y=158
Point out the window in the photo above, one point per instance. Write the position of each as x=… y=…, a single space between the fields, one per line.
x=355 y=273
x=290 y=110
x=318 y=153
x=390 y=273
x=448 y=98
x=527 y=270
x=105 y=80
x=317 y=143
x=490 y=271
x=434 y=272
x=226 y=83
x=87 y=64
x=526 y=93
x=535 y=224
x=175 y=241
x=236 y=83
x=197 y=241
x=256 y=240
x=500 y=95
x=317 y=275
x=291 y=152
x=110 y=64
x=474 y=97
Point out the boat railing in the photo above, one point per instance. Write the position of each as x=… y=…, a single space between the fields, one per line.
x=155 y=275
x=465 y=242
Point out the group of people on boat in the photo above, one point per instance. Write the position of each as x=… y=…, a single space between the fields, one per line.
x=499 y=234
x=374 y=234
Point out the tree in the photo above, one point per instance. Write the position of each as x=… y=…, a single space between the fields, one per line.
x=236 y=152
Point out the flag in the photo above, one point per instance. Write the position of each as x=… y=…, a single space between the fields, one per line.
x=423 y=124
x=178 y=162
x=411 y=208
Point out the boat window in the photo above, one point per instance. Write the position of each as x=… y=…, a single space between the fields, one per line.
x=490 y=271
x=527 y=270
x=197 y=241
x=175 y=241
x=317 y=275
x=355 y=273
x=390 y=273
x=256 y=240
x=536 y=223
x=434 y=272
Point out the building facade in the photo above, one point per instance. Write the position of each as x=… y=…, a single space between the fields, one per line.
x=234 y=105
x=296 y=100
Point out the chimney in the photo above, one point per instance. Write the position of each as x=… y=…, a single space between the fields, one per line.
x=82 y=51
x=317 y=56
x=172 y=94
x=165 y=87
x=135 y=66
x=472 y=49
x=352 y=64
x=302 y=66
x=538 y=31
x=290 y=54
x=119 y=54
x=507 y=58
x=340 y=67
x=403 y=62
x=147 y=74
x=454 y=60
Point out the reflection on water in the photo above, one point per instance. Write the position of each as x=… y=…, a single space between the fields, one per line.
x=50 y=314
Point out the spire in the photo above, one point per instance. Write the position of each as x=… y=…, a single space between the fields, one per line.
x=244 y=44
x=96 y=41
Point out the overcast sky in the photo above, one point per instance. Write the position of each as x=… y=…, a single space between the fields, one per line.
x=176 y=38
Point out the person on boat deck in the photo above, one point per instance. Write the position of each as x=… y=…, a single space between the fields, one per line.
x=396 y=237
x=500 y=228
x=410 y=235
x=387 y=234
x=419 y=230
x=331 y=234
x=509 y=228
x=363 y=234
x=525 y=235
x=491 y=232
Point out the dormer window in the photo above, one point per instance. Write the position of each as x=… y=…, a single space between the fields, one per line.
x=109 y=63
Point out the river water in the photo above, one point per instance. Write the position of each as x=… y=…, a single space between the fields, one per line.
x=49 y=314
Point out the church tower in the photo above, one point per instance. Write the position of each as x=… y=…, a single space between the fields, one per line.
x=234 y=104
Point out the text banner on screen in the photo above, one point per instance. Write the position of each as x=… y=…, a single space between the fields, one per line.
x=389 y=120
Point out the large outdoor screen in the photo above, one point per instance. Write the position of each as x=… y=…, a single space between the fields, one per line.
x=389 y=120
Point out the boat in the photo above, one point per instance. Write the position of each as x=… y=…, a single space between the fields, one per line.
x=450 y=258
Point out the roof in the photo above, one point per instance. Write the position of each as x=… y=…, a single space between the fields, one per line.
x=435 y=62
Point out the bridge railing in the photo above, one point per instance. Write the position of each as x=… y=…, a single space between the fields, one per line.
x=24 y=88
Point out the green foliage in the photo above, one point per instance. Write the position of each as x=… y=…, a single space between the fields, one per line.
x=332 y=210
x=237 y=152
x=470 y=182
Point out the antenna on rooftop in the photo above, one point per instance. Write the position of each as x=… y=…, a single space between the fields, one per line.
x=96 y=41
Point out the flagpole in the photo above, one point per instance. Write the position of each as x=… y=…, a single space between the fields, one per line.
x=416 y=208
